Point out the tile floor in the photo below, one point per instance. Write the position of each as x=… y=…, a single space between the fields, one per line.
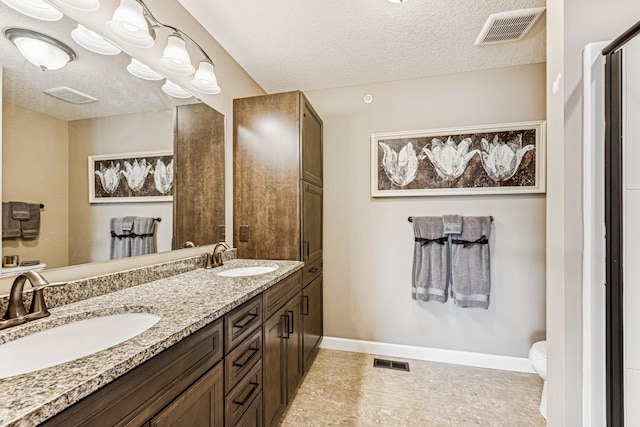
x=344 y=389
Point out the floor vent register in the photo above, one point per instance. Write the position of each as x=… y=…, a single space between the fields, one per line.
x=391 y=364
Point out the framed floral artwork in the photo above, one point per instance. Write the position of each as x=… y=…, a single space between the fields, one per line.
x=491 y=159
x=131 y=177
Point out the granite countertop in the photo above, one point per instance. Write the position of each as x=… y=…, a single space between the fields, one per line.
x=185 y=302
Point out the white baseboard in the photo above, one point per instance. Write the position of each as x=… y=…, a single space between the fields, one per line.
x=455 y=357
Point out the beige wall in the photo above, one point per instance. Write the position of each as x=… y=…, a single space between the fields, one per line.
x=571 y=24
x=368 y=242
x=89 y=223
x=36 y=150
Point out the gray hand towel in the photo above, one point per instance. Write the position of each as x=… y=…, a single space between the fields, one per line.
x=10 y=226
x=19 y=210
x=143 y=243
x=429 y=260
x=120 y=245
x=127 y=223
x=470 y=269
x=31 y=227
x=452 y=224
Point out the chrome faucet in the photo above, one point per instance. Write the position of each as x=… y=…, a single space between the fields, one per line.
x=16 y=313
x=214 y=259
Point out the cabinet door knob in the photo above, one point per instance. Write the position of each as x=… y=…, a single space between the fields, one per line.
x=306 y=249
x=290 y=324
x=306 y=305
x=286 y=326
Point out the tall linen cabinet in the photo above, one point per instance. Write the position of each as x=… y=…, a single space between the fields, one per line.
x=277 y=214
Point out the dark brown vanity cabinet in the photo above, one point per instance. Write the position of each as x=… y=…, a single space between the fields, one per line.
x=312 y=325
x=277 y=178
x=282 y=346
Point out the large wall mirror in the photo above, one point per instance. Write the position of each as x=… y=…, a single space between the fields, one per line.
x=46 y=143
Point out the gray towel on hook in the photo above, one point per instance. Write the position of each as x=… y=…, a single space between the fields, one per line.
x=19 y=210
x=120 y=245
x=143 y=242
x=10 y=226
x=452 y=224
x=429 y=260
x=470 y=268
x=31 y=227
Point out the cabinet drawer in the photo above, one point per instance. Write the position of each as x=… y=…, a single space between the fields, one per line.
x=278 y=295
x=242 y=322
x=241 y=360
x=253 y=416
x=310 y=271
x=241 y=397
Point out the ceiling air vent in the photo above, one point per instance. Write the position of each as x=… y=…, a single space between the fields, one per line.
x=508 y=26
x=70 y=95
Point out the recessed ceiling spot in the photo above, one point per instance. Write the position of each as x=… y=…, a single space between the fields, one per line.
x=70 y=95
x=368 y=99
x=508 y=26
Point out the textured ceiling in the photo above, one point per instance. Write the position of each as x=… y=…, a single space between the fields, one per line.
x=103 y=77
x=314 y=44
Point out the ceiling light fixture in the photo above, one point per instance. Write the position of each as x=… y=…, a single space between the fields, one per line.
x=134 y=24
x=172 y=89
x=38 y=9
x=397 y=1
x=129 y=25
x=93 y=41
x=175 y=58
x=205 y=80
x=82 y=5
x=40 y=49
x=142 y=71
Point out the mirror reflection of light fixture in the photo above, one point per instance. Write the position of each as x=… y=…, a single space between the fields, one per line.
x=38 y=9
x=93 y=41
x=40 y=49
x=172 y=89
x=205 y=79
x=129 y=25
x=175 y=57
x=142 y=71
x=81 y=5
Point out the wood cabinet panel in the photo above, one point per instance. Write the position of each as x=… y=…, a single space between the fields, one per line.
x=198 y=201
x=273 y=359
x=266 y=176
x=241 y=359
x=241 y=322
x=241 y=397
x=201 y=405
x=312 y=324
x=310 y=271
x=253 y=416
x=311 y=135
x=278 y=295
x=311 y=222
x=293 y=346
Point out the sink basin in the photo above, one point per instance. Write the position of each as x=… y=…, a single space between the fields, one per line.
x=247 y=271
x=70 y=341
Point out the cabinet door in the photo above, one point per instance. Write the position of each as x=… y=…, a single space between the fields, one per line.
x=293 y=345
x=311 y=320
x=198 y=200
x=201 y=405
x=273 y=391
x=311 y=144
x=311 y=222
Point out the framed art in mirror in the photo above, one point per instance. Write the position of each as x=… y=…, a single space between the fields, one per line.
x=489 y=159
x=131 y=177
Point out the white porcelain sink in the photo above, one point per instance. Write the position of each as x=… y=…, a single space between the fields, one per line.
x=70 y=341
x=247 y=271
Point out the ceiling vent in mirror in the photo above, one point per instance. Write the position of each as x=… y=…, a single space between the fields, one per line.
x=508 y=26
x=70 y=95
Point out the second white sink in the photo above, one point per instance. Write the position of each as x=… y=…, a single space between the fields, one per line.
x=247 y=271
x=70 y=341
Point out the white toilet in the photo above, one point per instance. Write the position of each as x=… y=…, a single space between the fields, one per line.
x=538 y=359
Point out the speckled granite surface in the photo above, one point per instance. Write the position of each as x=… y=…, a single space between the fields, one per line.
x=185 y=302
x=79 y=290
